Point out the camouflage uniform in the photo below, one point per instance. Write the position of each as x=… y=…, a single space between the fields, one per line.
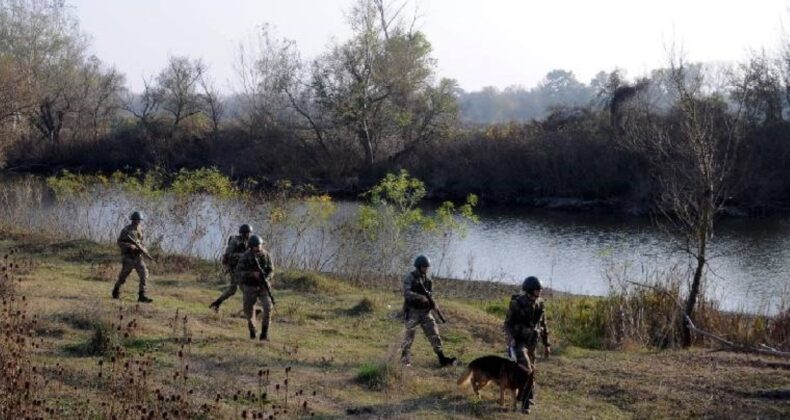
x=132 y=259
x=417 y=312
x=250 y=278
x=237 y=245
x=525 y=321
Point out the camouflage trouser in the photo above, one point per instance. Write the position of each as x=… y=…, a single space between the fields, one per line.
x=423 y=318
x=130 y=263
x=230 y=291
x=253 y=294
x=525 y=356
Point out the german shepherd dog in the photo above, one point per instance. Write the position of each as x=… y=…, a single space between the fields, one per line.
x=506 y=373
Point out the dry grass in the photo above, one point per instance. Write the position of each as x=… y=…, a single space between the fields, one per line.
x=176 y=356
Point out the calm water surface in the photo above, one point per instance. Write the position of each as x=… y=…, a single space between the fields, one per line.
x=578 y=253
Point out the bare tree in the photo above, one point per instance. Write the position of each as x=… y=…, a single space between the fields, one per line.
x=144 y=106
x=178 y=85
x=213 y=104
x=691 y=148
x=269 y=69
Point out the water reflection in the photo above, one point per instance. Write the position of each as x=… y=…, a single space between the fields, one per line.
x=571 y=252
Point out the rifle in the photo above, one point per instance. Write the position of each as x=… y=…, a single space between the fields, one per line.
x=424 y=291
x=265 y=284
x=140 y=247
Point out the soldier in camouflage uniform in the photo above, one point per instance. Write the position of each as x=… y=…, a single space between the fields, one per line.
x=237 y=245
x=253 y=272
x=525 y=321
x=132 y=257
x=417 y=312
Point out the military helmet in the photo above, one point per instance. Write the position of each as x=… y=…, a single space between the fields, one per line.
x=245 y=229
x=531 y=283
x=136 y=216
x=422 y=261
x=254 y=241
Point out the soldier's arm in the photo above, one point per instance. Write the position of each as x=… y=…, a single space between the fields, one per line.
x=508 y=326
x=544 y=329
x=266 y=264
x=228 y=251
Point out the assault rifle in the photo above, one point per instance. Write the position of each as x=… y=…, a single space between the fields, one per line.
x=263 y=280
x=421 y=289
x=140 y=247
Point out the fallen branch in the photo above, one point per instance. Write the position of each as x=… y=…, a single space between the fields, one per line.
x=729 y=345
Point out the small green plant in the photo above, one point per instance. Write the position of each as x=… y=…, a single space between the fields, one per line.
x=377 y=375
x=364 y=307
x=304 y=281
x=203 y=181
x=103 y=340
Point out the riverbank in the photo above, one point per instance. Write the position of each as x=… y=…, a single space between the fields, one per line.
x=337 y=340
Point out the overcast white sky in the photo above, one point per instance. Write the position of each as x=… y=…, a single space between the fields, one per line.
x=479 y=43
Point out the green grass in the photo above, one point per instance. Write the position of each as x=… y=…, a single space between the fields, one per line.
x=341 y=342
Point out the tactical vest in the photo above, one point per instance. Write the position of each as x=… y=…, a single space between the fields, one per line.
x=136 y=234
x=525 y=317
x=415 y=280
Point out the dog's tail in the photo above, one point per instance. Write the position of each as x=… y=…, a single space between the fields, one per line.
x=464 y=380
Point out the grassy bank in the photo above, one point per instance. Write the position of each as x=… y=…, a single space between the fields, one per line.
x=331 y=352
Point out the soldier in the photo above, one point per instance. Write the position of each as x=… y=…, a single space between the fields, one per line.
x=253 y=272
x=526 y=319
x=417 y=312
x=237 y=245
x=132 y=250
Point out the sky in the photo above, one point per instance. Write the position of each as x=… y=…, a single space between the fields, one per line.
x=479 y=43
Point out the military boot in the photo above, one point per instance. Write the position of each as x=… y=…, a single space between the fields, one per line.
x=116 y=293
x=405 y=359
x=144 y=299
x=265 y=333
x=444 y=360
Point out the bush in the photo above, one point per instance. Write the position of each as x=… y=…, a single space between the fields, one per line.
x=305 y=281
x=579 y=320
x=377 y=376
x=365 y=306
x=103 y=340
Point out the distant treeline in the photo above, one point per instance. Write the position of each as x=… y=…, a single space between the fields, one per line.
x=369 y=105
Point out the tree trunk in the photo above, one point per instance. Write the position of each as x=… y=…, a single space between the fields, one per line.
x=367 y=145
x=691 y=303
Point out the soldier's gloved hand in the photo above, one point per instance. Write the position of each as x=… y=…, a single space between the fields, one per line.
x=132 y=247
x=546 y=351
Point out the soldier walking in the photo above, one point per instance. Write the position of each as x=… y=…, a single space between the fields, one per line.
x=132 y=250
x=525 y=321
x=253 y=272
x=417 y=312
x=236 y=247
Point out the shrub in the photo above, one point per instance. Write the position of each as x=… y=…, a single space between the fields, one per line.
x=579 y=320
x=377 y=375
x=365 y=306
x=308 y=282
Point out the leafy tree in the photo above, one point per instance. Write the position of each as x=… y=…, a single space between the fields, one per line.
x=377 y=87
x=70 y=91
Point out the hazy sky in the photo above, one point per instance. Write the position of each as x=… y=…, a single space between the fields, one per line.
x=478 y=42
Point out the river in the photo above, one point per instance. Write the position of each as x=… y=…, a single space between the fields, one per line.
x=579 y=253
